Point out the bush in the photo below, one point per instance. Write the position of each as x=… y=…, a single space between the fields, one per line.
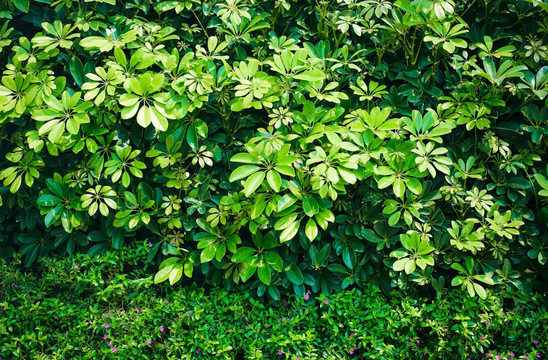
x=63 y=312
x=283 y=144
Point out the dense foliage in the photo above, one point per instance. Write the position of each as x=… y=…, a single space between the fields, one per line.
x=102 y=307
x=283 y=144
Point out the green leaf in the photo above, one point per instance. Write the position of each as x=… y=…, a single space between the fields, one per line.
x=285 y=202
x=253 y=182
x=294 y=274
x=53 y=215
x=274 y=260
x=176 y=273
x=311 y=230
x=208 y=254
x=48 y=200
x=311 y=75
x=247 y=271
x=274 y=180
x=480 y=290
x=245 y=158
x=243 y=172
x=163 y=274
x=16 y=184
x=290 y=231
x=22 y=5
x=242 y=254
x=399 y=265
x=265 y=274
x=399 y=188
x=77 y=70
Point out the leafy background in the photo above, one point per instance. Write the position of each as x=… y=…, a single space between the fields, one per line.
x=277 y=145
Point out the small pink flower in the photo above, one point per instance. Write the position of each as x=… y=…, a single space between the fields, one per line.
x=161 y=329
x=482 y=337
x=351 y=334
x=187 y=314
x=487 y=355
x=76 y=266
x=114 y=350
x=106 y=326
x=418 y=341
x=280 y=352
x=106 y=315
x=535 y=342
x=197 y=351
x=503 y=314
x=109 y=344
x=105 y=337
x=166 y=301
x=306 y=296
x=486 y=322
x=111 y=313
x=240 y=303
x=512 y=354
x=427 y=320
x=499 y=357
x=149 y=244
x=149 y=341
x=326 y=302
x=538 y=355
x=137 y=310
x=351 y=351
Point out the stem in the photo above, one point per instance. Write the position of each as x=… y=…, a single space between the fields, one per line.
x=475 y=141
x=418 y=52
x=534 y=190
x=216 y=110
x=199 y=22
x=456 y=212
x=468 y=8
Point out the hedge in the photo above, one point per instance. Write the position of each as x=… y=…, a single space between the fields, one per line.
x=274 y=145
x=106 y=307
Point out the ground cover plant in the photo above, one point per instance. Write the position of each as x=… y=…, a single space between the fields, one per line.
x=91 y=307
x=281 y=146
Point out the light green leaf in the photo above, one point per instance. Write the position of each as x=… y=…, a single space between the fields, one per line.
x=253 y=182
x=290 y=231
x=311 y=230
x=311 y=75
x=243 y=172
x=274 y=180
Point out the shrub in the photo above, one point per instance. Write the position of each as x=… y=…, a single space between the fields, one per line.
x=86 y=306
x=283 y=144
